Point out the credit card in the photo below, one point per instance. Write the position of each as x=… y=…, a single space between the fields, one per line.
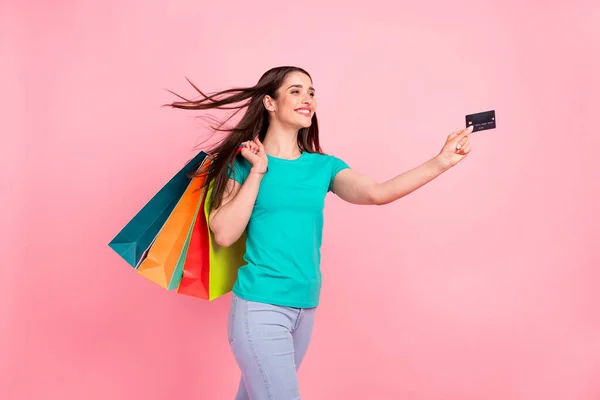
x=481 y=121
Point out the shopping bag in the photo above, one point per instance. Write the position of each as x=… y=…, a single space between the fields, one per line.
x=210 y=270
x=133 y=241
x=194 y=276
x=224 y=261
x=184 y=256
x=169 y=247
x=194 y=256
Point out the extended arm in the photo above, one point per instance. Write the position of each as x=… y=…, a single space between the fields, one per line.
x=359 y=189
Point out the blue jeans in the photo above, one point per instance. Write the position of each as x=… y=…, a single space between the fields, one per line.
x=268 y=343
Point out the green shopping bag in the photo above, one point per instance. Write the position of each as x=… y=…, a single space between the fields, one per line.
x=133 y=241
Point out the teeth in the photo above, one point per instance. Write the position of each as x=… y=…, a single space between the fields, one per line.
x=304 y=111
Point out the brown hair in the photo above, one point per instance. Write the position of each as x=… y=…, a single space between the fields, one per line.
x=254 y=122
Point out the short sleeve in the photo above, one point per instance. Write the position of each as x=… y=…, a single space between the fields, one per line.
x=240 y=170
x=337 y=165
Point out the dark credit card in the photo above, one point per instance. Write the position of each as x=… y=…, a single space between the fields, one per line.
x=481 y=121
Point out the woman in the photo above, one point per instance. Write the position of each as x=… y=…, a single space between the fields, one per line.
x=275 y=193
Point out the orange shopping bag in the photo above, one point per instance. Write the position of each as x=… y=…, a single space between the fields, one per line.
x=166 y=251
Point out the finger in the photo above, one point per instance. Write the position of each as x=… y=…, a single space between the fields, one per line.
x=464 y=132
x=245 y=152
x=462 y=143
x=245 y=145
x=249 y=146
x=259 y=144
x=248 y=154
x=453 y=134
x=465 y=150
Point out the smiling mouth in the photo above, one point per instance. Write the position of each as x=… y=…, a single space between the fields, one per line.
x=304 y=112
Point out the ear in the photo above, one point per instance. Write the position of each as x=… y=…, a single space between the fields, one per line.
x=269 y=103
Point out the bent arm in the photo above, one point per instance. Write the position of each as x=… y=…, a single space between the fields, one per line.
x=229 y=220
x=360 y=189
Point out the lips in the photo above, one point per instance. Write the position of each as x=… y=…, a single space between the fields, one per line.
x=304 y=111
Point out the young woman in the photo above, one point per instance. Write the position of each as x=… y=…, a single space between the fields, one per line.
x=275 y=191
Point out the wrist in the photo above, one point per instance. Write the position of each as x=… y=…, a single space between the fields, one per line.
x=259 y=170
x=442 y=162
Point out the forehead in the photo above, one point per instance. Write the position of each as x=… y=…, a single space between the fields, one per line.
x=297 y=78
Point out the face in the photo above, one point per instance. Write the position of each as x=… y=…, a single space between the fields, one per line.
x=296 y=104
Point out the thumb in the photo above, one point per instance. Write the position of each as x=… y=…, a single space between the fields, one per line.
x=453 y=135
x=257 y=141
x=461 y=133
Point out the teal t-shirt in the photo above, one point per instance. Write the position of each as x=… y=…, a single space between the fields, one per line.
x=283 y=236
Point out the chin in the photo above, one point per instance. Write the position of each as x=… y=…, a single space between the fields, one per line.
x=305 y=124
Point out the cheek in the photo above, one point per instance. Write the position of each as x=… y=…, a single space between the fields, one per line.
x=287 y=106
x=290 y=104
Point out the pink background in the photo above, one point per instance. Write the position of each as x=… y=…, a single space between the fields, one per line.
x=481 y=285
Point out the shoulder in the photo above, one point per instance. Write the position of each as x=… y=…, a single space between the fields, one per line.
x=329 y=159
x=330 y=164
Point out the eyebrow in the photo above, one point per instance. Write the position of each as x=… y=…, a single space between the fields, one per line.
x=300 y=86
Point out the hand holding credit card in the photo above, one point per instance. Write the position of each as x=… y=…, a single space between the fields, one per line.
x=481 y=121
x=457 y=145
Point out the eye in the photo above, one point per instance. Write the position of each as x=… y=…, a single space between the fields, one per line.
x=295 y=91
x=312 y=95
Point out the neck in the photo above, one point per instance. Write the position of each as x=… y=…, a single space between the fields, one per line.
x=281 y=141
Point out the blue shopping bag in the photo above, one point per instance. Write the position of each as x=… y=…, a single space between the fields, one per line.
x=133 y=241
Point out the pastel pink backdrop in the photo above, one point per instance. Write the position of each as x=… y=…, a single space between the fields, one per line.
x=481 y=285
